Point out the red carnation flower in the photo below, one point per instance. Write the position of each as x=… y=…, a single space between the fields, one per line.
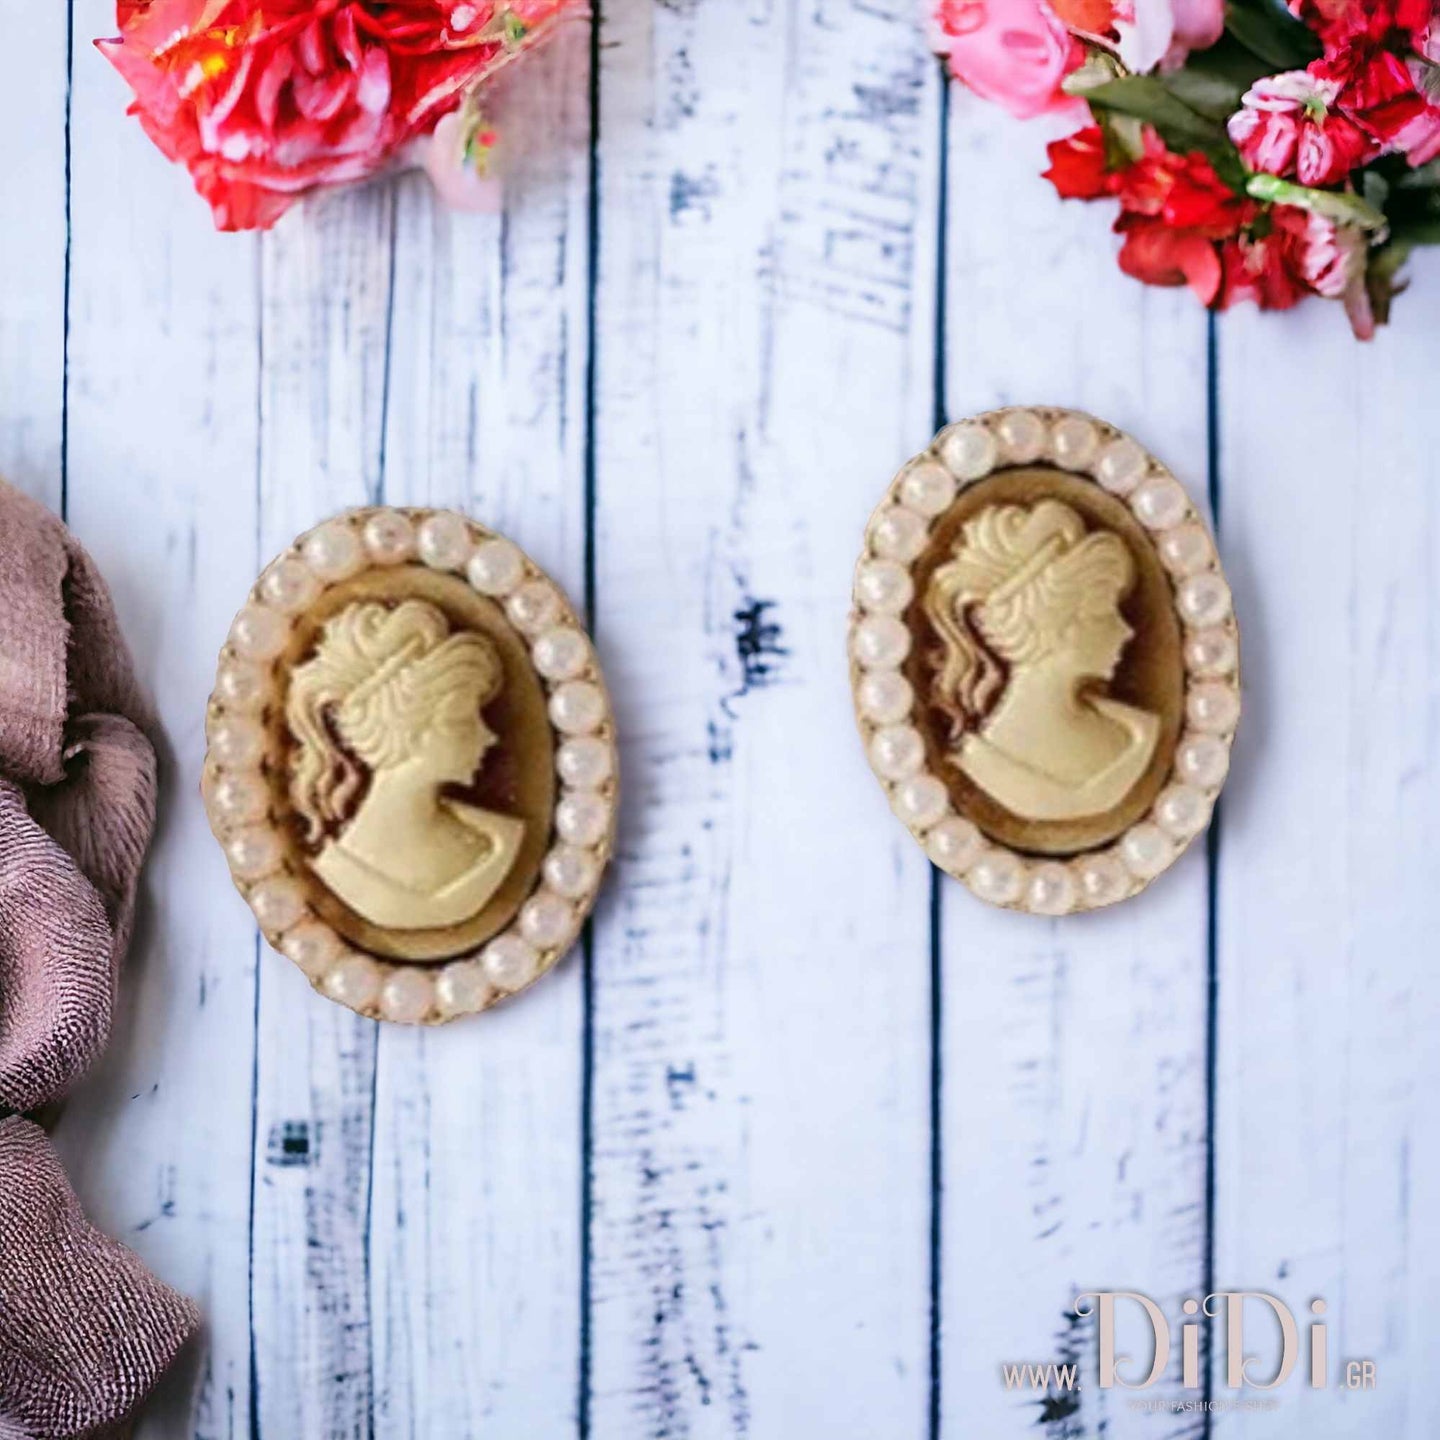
x=263 y=100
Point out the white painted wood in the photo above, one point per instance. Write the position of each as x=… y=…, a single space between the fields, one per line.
x=1329 y=1149
x=33 y=86
x=325 y=283
x=162 y=441
x=766 y=303
x=476 y=1216
x=1074 y=1115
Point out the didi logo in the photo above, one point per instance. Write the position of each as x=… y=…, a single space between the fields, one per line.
x=1257 y=1371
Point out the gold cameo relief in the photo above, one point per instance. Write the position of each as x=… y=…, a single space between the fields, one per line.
x=1045 y=660
x=412 y=764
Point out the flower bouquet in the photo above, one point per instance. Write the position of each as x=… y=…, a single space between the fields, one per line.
x=264 y=100
x=1258 y=150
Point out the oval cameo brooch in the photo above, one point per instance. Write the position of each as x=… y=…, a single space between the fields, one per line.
x=412 y=764
x=1045 y=660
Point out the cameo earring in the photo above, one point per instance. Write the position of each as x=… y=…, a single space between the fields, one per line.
x=412 y=764
x=1045 y=660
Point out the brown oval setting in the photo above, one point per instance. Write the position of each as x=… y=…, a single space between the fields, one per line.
x=412 y=763
x=1045 y=659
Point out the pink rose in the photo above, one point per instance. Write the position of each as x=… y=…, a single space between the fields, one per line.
x=1163 y=32
x=1014 y=52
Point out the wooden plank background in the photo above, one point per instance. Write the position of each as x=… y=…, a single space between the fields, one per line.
x=802 y=1142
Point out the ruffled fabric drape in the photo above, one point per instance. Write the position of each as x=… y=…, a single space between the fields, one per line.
x=85 y=1331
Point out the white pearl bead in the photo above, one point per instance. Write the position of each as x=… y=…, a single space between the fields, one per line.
x=462 y=989
x=899 y=534
x=881 y=642
x=585 y=763
x=510 y=963
x=1050 y=890
x=1103 y=880
x=495 y=568
x=1211 y=652
x=570 y=872
x=236 y=796
x=1212 y=707
x=1203 y=760
x=954 y=845
x=1146 y=851
x=998 y=876
x=237 y=742
x=1022 y=436
x=547 y=921
x=354 y=981
x=1121 y=466
x=1204 y=599
x=968 y=451
x=577 y=707
x=1182 y=812
x=333 y=551
x=443 y=542
x=389 y=537
x=1185 y=550
x=883 y=586
x=241 y=685
x=312 y=946
x=583 y=818
x=885 y=696
x=533 y=607
x=259 y=633
x=927 y=488
x=1073 y=442
x=561 y=654
x=897 y=751
x=253 y=853
x=289 y=585
x=407 y=997
x=1160 y=503
x=920 y=801
x=277 y=903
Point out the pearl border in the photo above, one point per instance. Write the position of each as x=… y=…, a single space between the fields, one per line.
x=238 y=791
x=897 y=535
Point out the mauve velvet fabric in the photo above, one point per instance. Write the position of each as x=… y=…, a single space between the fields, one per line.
x=85 y=1331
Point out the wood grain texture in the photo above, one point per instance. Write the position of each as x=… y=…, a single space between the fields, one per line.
x=1328 y=1145
x=34 y=85
x=1074 y=1052
x=325 y=282
x=765 y=315
x=161 y=445
x=476 y=1214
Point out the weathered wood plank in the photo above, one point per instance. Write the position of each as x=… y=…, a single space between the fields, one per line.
x=476 y=1221
x=1074 y=1086
x=761 y=1185
x=326 y=293
x=34 y=84
x=1327 y=1174
x=162 y=453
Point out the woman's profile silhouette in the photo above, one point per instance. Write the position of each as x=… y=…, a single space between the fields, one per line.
x=1027 y=611
x=384 y=715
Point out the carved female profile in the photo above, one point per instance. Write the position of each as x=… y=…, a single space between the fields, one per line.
x=1028 y=615
x=387 y=713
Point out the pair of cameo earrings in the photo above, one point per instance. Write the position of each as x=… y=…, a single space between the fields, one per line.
x=412 y=762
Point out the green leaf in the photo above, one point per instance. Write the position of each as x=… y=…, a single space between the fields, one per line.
x=1337 y=205
x=1418 y=232
x=1424 y=177
x=1144 y=97
x=1269 y=30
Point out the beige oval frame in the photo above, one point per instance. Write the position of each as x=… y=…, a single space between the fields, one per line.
x=239 y=783
x=923 y=493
